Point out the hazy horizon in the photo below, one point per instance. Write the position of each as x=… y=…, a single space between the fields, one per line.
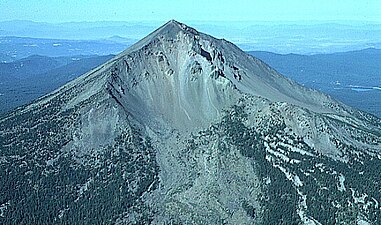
x=294 y=26
x=246 y=22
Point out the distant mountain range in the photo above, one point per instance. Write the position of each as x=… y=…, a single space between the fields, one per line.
x=74 y=30
x=353 y=77
x=303 y=38
x=14 y=48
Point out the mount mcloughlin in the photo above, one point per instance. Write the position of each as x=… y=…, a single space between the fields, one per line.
x=183 y=128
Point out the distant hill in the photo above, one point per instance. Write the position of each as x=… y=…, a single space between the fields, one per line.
x=32 y=65
x=15 y=48
x=25 y=80
x=353 y=77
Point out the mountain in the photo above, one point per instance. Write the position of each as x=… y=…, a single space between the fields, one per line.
x=352 y=77
x=119 y=39
x=183 y=128
x=26 y=79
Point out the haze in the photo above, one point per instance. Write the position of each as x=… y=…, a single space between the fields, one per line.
x=56 y=11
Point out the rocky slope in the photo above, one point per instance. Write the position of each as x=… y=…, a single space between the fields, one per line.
x=183 y=128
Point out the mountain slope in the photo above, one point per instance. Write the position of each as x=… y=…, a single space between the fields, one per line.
x=183 y=128
x=352 y=77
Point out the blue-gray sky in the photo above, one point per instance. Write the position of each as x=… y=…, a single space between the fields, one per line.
x=192 y=10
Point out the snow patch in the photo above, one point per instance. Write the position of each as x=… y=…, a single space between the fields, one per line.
x=341 y=186
x=302 y=208
x=295 y=149
x=3 y=208
x=357 y=198
x=376 y=203
x=294 y=178
x=60 y=215
x=30 y=45
x=362 y=222
x=279 y=155
x=83 y=188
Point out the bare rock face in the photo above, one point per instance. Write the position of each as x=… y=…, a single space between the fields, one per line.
x=183 y=128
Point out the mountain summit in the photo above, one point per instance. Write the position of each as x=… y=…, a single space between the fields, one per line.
x=184 y=128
